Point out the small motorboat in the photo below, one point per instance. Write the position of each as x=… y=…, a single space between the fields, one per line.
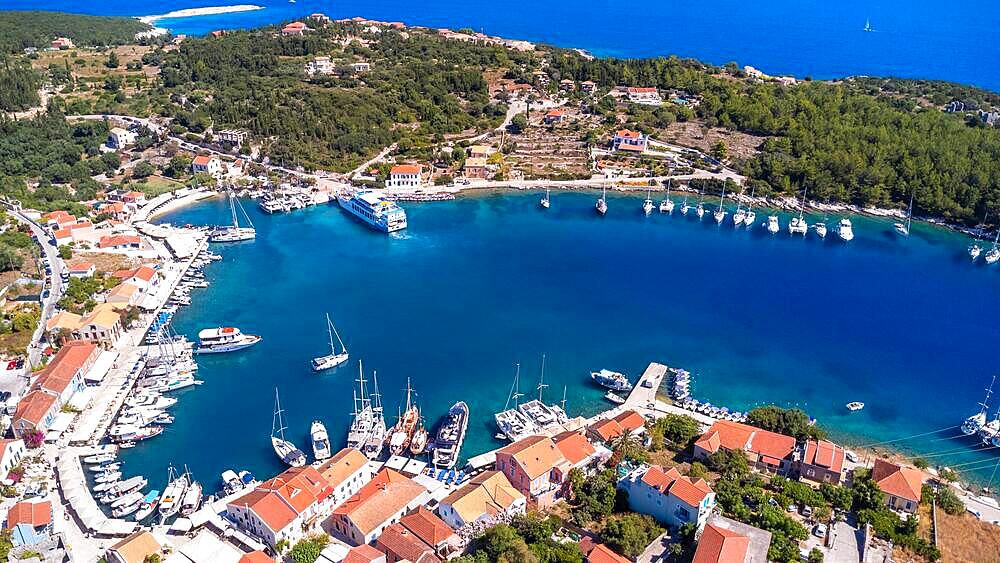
x=855 y=406
x=614 y=397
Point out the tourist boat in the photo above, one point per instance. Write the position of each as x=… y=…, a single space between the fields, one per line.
x=772 y=224
x=647 y=205
x=993 y=254
x=285 y=450
x=450 y=436
x=108 y=477
x=374 y=209
x=614 y=397
x=333 y=359
x=545 y=202
x=855 y=406
x=720 y=212
x=376 y=440
x=320 y=441
x=129 y=433
x=904 y=228
x=990 y=429
x=147 y=506
x=173 y=494
x=419 y=441
x=613 y=380
x=100 y=458
x=192 y=499
x=667 y=205
x=975 y=422
x=820 y=229
x=223 y=339
x=602 y=203
x=845 y=230
x=105 y=467
x=513 y=424
x=406 y=424
x=234 y=233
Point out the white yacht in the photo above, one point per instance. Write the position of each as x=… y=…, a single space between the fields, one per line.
x=223 y=339
x=602 y=203
x=797 y=226
x=974 y=251
x=685 y=207
x=975 y=422
x=990 y=429
x=192 y=499
x=234 y=233
x=904 y=228
x=700 y=209
x=667 y=205
x=616 y=381
x=367 y=431
x=647 y=206
x=513 y=424
x=320 y=441
x=374 y=209
x=272 y=205
x=450 y=435
x=820 y=229
x=772 y=224
x=334 y=358
x=845 y=230
x=720 y=213
x=750 y=218
x=285 y=450
x=173 y=494
x=740 y=214
x=993 y=254
x=546 y=202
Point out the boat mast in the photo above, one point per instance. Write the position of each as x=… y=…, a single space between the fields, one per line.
x=803 y=200
x=541 y=380
x=989 y=391
x=277 y=417
x=909 y=214
x=750 y=205
x=330 y=333
x=330 y=326
x=564 y=399
x=378 y=397
x=722 y=198
x=514 y=393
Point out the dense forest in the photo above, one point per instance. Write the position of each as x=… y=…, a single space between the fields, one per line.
x=22 y=29
x=18 y=85
x=837 y=141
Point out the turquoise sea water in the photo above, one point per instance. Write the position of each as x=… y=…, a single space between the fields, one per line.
x=913 y=38
x=478 y=284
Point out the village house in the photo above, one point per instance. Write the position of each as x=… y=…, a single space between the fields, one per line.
x=540 y=76
x=820 y=461
x=554 y=116
x=727 y=541
x=588 y=86
x=60 y=43
x=63 y=236
x=320 y=66
x=203 y=164
x=119 y=138
x=360 y=67
x=610 y=428
x=377 y=505
x=404 y=176
x=286 y=507
x=337 y=552
x=142 y=277
x=36 y=412
x=82 y=231
x=419 y=536
x=29 y=523
x=599 y=553
x=629 y=141
x=58 y=219
x=400 y=544
x=82 y=270
x=766 y=451
x=567 y=85
x=480 y=151
x=123 y=295
x=644 y=96
x=536 y=467
x=346 y=472
x=256 y=556
x=475 y=167
x=102 y=326
x=119 y=242
x=321 y=19
x=579 y=452
x=668 y=496
x=134 y=548
x=11 y=454
x=63 y=376
x=294 y=29
x=488 y=498
x=901 y=485
x=517 y=90
x=235 y=137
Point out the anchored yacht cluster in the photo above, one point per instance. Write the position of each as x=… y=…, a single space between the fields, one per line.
x=988 y=431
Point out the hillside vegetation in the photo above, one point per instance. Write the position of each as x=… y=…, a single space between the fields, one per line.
x=22 y=29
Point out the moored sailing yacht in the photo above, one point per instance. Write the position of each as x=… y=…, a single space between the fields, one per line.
x=975 y=422
x=406 y=424
x=173 y=494
x=845 y=230
x=798 y=225
x=361 y=424
x=647 y=206
x=720 y=213
x=545 y=202
x=904 y=229
x=602 y=203
x=974 y=249
x=234 y=233
x=751 y=216
x=700 y=210
x=772 y=224
x=511 y=421
x=993 y=254
x=990 y=430
x=320 y=441
x=285 y=450
x=450 y=435
x=667 y=205
x=333 y=359
x=740 y=214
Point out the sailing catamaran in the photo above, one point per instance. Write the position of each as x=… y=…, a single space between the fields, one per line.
x=234 y=233
x=720 y=213
x=333 y=359
x=546 y=202
x=904 y=229
x=285 y=450
x=602 y=204
x=667 y=205
x=511 y=421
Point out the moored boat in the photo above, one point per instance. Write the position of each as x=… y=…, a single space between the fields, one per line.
x=974 y=423
x=191 y=500
x=614 y=397
x=173 y=494
x=284 y=449
x=224 y=339
x=374 y=209
x=545 y=201
x=450 y=436
x=855 y=406
x=845 y=230
x=334 y=358
x=320 y=440
x=148 y=505
x=602 y=204
x=613 y=380
x=406 y=424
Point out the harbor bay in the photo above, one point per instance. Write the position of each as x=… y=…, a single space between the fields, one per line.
x=481 y=283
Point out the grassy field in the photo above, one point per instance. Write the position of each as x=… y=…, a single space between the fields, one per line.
x=966 y=538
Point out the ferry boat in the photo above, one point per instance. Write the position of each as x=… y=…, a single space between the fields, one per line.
x=285 y=450
x=546 y=201
x=320 y=441
x=173 y=495
x=975 y=422
x=234 y=233
x=375 y=210
x=223 y=339
x=772 y=224
x=406 y=424
x=450 y=436
x=613 y=380
x=192 y=499
x=334 y=358
x=845 y=230
x=602 y=203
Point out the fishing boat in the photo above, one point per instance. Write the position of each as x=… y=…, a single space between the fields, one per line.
x=223 y=339
x=614 y=397
x=855 y=406
x=845 y=230
x=334 y=358
x=720 y=212
x=406 y=424
x=513 y=424
x=234 y=233
x=148 y=505
x=616 y=381
x=904 y=228
x=993 y=254
x=450 y=436
x=974 y=423
x=192 y=499
x=667 y=205
x=173 y=494
x=320 y=441
x=419 y=441
x=602 y=203
x=545 y=202
x=772 y=225
x=647 y=205
x=285 y=450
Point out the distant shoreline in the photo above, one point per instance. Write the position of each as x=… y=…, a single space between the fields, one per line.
x=206 y=11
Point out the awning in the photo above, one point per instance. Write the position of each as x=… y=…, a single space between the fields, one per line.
x=101 y=367
x=59 y=425
x=396 y=462
x=482 y=460
x=770 y=460
x=414 y=467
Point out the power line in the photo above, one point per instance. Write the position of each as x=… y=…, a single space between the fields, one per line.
x=908 y=437
x=956 y=451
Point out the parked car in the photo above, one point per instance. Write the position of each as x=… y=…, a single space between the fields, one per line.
x=820 y=530
x=807 y=511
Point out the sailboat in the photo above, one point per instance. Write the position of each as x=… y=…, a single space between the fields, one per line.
x=990 y=429
x=975 y=422
x=868 y=26
x=546 y=202
x=406 y=424
x=685 y=207
x=173 y=494
x=904 y=229
x=513 y=424
x=740 y=214
x=647 y=206
x=974 y=249
x=419 y=441
x=751 y=216
x=234 y=233
x=720 y=213
x=993 y=254
x=285 y=450
x=333 y=359
x=798 y=225
x=667 y=205
x=602 y=204
x=700 y=210
x=373 y=448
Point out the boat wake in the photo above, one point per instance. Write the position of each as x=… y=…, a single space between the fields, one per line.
x=206 y=11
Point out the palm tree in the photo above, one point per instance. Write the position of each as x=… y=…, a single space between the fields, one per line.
x=623 y=446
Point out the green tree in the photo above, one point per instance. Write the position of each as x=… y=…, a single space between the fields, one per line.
x=815 y=555
x=949 y=501
x=143 y=170
x=631 y=533
x=112 y=61
x=791 y=422
x=65 y=252
x=626 y=445
x=518 y=124
x=308 y=549
x=720 y=151
x=865 y=493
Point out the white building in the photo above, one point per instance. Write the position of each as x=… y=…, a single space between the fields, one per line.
x=376 y=506
x=11 y=454
x=119 y=138
x=361 y=67
x=644 y=96
x=233 y=136
x=346 y=472
x=667 y=496
x=207 y=165
x=320 y=66
x=287 y=507
x=404 y=176
x=487 y=499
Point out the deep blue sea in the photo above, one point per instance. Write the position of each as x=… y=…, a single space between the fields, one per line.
x=955 y=41
x=473 y=286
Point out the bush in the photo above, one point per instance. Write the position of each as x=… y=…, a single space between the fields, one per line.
x=791 y=422
x=65 y=252
x=308 y=549
x=697 y=470
x=949 y=501
x=631 y=533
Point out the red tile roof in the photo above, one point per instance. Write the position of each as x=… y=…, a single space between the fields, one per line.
x=603 y=554
x=34 y=406
x=36 y=514
x=404 y=545
x=406 y=169
x=117 y=240
x=81 y=267
x=380 y=499
x=364 y=554
x=300 y=487
x=63 y=233
x=772 y=444
x=726 y=434
x=268 y=506
x=641 y=90
x=627 y=421
x=536 y=455
x=673 y=483
x=902 y=482
x=255 y=557
x=574 y=446
x=427 y=527
x=719 y=545
x=628 y=134
x=824 y=454
x=201 y=160
x=70 y=359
